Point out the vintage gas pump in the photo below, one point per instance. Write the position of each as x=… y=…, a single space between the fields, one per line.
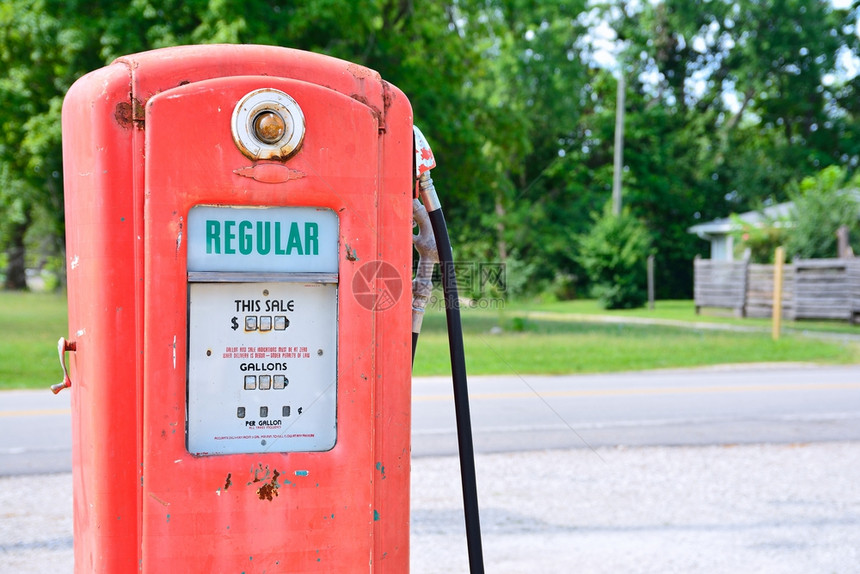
x=238 y=237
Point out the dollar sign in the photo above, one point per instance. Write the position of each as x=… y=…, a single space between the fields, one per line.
x=235 y=322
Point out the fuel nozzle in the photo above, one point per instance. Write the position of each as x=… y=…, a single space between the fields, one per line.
x=424 y=162
x=432 y=210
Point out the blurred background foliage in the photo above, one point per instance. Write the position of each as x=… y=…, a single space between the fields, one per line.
x=728 y=104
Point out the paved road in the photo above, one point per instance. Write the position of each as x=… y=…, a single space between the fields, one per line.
x=788 y=508
x=764 y=404
x=721 y=405
x=35 y=432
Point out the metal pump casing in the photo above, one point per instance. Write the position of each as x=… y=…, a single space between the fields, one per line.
x=149 y=145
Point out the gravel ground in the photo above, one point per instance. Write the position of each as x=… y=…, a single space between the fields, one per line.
x=722 y=509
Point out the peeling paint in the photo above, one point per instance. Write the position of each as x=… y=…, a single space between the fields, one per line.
x=360 y=72
x=269 y=173
x=228 y=482
x=376 y=112
x=75 y=262
x=301 y=473
x=270 y=489
x=351 y=253
x=158 y=500
x=375 y=515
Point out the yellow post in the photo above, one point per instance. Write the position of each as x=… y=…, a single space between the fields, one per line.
x=778 y=262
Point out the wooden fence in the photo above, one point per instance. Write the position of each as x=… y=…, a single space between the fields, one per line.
x=759 y=296
x=720 y=284
x=812 y=288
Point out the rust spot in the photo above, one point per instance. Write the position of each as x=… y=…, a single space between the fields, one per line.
x=258 y=471
x=351 y=254
x=388 y=95
x=228 y=482
x=377 y=113
x=270 y=489
x=131 y=113
x=361 y=99
x=139 y=112
x=123 y=115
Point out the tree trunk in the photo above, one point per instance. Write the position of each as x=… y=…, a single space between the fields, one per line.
x=501 y=244
x=16 y=276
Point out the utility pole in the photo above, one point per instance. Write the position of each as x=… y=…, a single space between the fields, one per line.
x=619 y=145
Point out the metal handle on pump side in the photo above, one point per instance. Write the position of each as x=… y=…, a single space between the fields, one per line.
x=62 y=346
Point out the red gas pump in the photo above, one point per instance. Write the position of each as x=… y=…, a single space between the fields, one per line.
x=238 y=223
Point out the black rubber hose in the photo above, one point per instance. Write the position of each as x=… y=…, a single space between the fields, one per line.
x=414 y=346
x=461 y=392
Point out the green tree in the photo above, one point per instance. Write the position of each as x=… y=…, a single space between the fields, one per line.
x=728 y=102
x=45 y=45
x=526 y=91
x=29 y=173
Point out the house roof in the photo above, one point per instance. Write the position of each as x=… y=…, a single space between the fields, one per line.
x=726 y=225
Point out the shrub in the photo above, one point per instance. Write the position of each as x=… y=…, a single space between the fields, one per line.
x=821 y=205
x=760 y=238
x=614 y=254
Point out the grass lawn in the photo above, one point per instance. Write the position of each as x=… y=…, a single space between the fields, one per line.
x=519 y=339
x=676 y=311
x=30 y=325
x=562 y=344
